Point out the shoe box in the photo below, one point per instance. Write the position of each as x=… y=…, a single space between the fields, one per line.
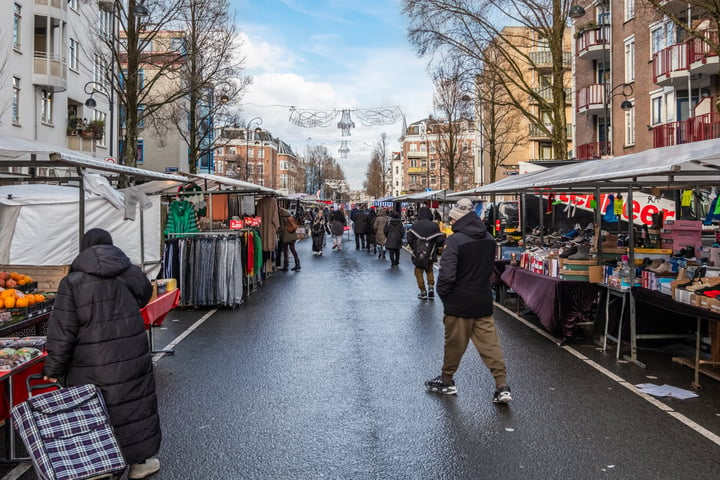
x=679 y=234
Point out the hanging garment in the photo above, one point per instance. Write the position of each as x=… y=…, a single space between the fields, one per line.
x=610 y=210
x=181 y=218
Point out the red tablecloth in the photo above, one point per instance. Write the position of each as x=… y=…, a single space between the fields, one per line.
x=19 y=376
x=154 y=313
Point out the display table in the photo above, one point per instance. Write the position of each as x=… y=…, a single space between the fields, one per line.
x=665 y=302
x=154 y=314
x=13 y=390
x=559 y=304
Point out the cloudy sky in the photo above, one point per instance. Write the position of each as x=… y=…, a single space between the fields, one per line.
x=331 y=55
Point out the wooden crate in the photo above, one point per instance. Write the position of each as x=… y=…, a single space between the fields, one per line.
x=47 y=276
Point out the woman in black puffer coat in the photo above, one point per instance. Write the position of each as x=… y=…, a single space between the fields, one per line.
x=96 y=335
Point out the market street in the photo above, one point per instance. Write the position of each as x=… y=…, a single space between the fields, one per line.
x=321 y=375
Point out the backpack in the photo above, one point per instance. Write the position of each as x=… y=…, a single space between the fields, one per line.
x=422 y=255
x=292 y=224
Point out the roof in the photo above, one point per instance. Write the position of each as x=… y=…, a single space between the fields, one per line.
x=690 y=164
x=25 y=152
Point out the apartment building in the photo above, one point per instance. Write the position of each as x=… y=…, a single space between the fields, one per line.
x=521 y=108
x=396 y=177
x=255 y=156
x=641 y=82
x=425 y=144
x=51 y=64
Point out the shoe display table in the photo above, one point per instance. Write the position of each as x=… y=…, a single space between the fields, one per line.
x=559 y=304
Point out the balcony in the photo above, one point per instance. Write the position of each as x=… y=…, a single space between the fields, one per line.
x=703 y=59
x=535 y=132
x=417 y=170
x=696 y=129
x=542 y=60
x=671 y=64
x=593 y=151
x=546 y=94
x=591 y=99
x=417 y=154
x=592 y=44
x=80 y=143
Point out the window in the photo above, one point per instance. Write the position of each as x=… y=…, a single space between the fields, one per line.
x=73 y=50
x=16 y=100
x=662 y=36
x=284 y=165
x=630 y=60
x=413 y=147
x=141 y=116
x=433 y=148
x=656 y=106
x=140 y=152
x=16 y=27
x=284 y=181
x=73 y=4
x=46 y=113
x=178 y=45
x=423 y=147
x=103 y=117
x=251 y=152
x=629 y=10
x=261 y=153
x=630 y=127
x=250 y=168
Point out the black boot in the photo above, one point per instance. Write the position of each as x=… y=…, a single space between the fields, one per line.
x=296 y=267
x=284 y=269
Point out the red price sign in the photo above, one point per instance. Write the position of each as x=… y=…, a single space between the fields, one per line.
x=236 y=224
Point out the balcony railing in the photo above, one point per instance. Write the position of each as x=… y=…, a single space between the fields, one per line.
x=546 y=94
x=544 y=59
x=669 y=60
x=591 y=95
x=592 y=151
x=595 y=37
x=535 y=131
x=696 y=129
x=699 y=50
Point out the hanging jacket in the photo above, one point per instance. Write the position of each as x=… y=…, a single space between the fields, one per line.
x=181 y=218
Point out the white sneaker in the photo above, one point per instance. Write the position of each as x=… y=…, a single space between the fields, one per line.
x=144 y=469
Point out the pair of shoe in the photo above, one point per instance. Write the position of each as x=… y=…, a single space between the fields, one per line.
x=295 y=268
x=422 y=295
x=284 y=269
x=502 y=394
x=431 y=293
x=144 y=469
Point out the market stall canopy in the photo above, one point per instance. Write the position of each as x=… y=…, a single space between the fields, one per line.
x=690 y=164
x=15 y=151
x=438 y=195
x=216 y=182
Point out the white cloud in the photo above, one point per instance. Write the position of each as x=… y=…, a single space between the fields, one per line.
x=357 y=79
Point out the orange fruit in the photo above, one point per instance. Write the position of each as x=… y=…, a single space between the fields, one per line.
x=39 y=298
x=9 y=302
x=14 y=275
x=22 y=302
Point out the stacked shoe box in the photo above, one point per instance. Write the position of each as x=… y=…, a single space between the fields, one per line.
x=680 y=234
x=576 y=269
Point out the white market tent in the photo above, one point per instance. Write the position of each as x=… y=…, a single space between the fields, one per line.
x=42 y=224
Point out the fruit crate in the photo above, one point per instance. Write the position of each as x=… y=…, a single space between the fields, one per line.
x=28 y=287
x=32 y=311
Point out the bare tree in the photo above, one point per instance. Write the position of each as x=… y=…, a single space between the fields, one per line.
x=380 y=152
x=211 y=76
x=465 y=30
x=499 y=122
x=452 y=102
x=373 y=183
x=321 y=170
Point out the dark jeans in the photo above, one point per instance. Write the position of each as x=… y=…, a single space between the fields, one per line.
x=285 y=253
x=359 y=240
x=394 y=256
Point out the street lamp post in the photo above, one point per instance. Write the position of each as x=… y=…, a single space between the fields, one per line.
x=92 y=88
x=247 y=143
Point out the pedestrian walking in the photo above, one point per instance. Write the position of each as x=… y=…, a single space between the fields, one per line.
x=464 y=287
x=287 y=233
x=370 y=241
x=359 y=226
x=337 y=228
x=96 y=335
x=380 y=221
x=394 y=234
x=424 y=238
x=318 y=228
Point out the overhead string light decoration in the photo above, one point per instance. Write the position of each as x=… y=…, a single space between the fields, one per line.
x=369 y=117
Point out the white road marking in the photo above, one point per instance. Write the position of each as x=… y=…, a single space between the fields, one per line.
x=648 y=398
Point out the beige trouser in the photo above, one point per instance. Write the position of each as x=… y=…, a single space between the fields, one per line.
x=421 y=279
x=481 y=330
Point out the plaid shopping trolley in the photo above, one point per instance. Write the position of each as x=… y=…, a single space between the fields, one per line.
x=68 y=435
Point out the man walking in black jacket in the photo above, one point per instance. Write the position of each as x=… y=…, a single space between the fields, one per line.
x=464 y=287
x=425 y=235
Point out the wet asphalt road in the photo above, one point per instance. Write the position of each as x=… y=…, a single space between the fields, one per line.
x=320 y=376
